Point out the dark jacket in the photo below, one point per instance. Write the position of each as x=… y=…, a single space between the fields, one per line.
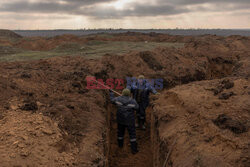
x=141 y=93
x=126 y=108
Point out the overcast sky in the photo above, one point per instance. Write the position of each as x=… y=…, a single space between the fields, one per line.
x=77 y=14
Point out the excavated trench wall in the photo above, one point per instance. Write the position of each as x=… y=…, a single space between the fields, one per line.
x=198 y=61
x=216 y=68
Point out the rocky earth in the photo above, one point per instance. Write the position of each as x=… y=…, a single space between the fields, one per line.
x=201 y=118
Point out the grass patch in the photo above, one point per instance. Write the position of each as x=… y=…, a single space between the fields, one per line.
x=93 y=49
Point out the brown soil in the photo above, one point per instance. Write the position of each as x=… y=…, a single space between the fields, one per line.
x=49 y=118
x=209 y=131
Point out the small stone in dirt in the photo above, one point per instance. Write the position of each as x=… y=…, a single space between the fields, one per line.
x=225 y=122
x=70 y=107
x=32 y=106
x=12 y=155
x=25 y=137
x=76 y=85
x=227 y=84
x=21 y=145
x=13 y=86
x=218 y=90
x=7 y=106
x=25 y=153
x=47 y=131
x=225 y=96
x=25 y=75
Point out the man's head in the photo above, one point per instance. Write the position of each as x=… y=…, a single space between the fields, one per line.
x=126 y=92
x=141 y=79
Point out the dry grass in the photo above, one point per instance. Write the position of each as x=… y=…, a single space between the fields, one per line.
x=93 y=49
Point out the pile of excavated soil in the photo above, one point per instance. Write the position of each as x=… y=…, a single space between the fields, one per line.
x=46 y=44
x=31 y=140
x=45 y=105
x=211 y=127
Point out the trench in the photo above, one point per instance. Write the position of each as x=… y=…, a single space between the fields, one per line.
x=153 y=151
x=122 y=157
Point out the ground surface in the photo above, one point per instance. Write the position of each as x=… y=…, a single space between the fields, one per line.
x=49 y=118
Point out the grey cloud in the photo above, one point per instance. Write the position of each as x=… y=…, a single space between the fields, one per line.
x=223 y=7
x=28 y=17
x=194 y=2
x=79 y=7
x=48 y=6
x=138 y=10
x=214 y=5
x=87 y=2
x=91 y=8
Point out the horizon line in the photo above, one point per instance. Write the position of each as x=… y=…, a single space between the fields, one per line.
x=87 y=29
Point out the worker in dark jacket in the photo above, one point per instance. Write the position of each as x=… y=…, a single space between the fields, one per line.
x=141 y=91
x=126 y=118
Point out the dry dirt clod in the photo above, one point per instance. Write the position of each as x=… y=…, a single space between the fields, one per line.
x=225 y=122
x=225 y=96
x=47 y=131
x=26 y=75
x=227 y=84
x=25 y=153
x=31 y=106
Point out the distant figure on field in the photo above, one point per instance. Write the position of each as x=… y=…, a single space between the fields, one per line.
x=125 y=118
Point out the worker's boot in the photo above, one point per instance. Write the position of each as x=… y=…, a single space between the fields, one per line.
x=134 y=149
x=120 y=143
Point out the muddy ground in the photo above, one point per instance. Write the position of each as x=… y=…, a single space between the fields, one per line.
x=201 y=118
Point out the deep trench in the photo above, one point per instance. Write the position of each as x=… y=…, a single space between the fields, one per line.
x=152 y=150
x=117 y=157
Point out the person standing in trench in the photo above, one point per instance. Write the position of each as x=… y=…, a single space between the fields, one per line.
x=126 y=107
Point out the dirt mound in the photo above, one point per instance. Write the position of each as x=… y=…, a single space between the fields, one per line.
x=8 y=34
x=48 y=88
x=194 y=116
x=30 y=140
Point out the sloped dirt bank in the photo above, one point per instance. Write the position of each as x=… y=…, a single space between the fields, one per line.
x=46 y=108
x=209 y=130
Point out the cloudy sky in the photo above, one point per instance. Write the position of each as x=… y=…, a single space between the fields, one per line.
x=77 y=14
